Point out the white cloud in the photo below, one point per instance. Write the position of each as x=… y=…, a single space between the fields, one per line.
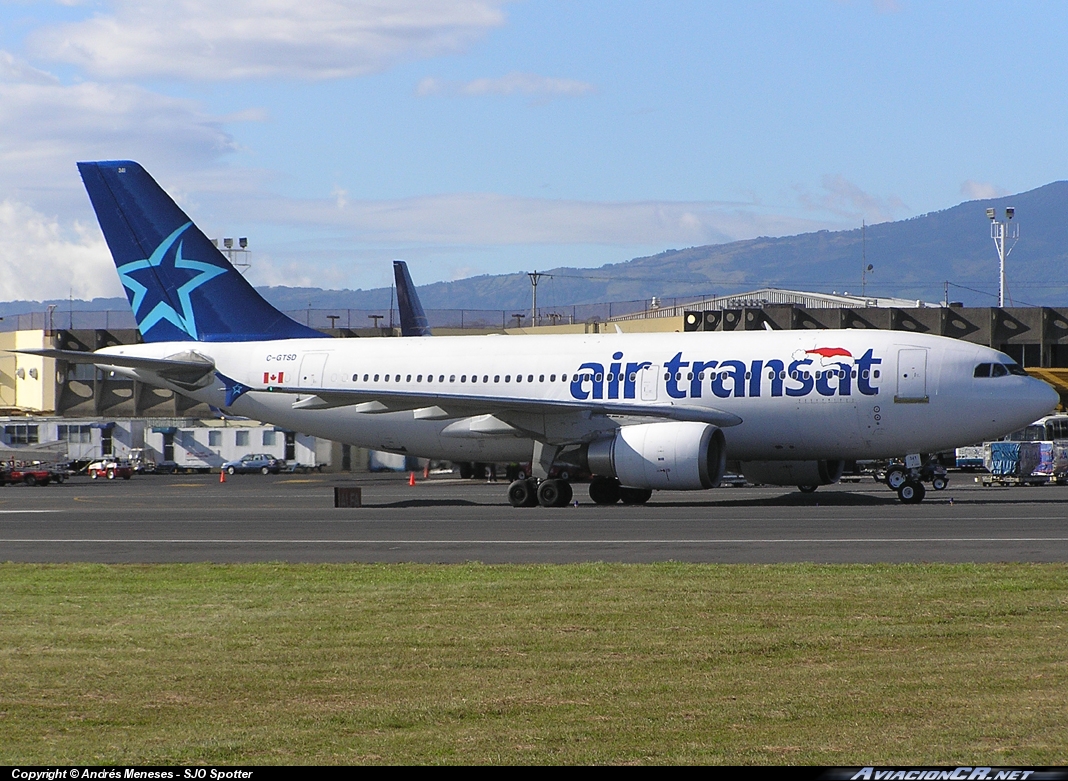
x=510 y=84
x=844 y=198
x=47 y=126
x=42 y=261
x=256 y=39
x=976 y=191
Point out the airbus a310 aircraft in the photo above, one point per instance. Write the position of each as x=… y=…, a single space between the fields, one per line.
x=640 y=411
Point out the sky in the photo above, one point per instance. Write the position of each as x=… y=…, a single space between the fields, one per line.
x=481 y=136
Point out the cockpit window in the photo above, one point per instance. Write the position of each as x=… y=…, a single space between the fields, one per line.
x=999 y=370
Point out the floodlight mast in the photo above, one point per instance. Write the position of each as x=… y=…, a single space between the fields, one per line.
x=1000 y=231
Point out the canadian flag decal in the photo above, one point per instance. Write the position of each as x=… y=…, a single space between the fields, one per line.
x=269 y=378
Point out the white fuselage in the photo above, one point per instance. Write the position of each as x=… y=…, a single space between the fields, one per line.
x=819 y=394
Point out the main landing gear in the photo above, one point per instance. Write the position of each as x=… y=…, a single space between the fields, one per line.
x=547 y=493
x=558 y=493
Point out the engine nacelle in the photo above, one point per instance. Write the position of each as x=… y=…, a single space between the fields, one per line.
x=793 y=472
x=678 y=456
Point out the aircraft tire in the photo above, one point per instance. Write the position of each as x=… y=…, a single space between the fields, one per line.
x=635 y=495
x=522 y=494
x=604 y=490
x=896 y=476
x=551 y=493
x=911 y=492
x=807 y=489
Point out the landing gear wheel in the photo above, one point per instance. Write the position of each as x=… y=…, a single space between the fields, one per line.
x=939 y=483
x=522 y=493
x=635 y=495
x=807 y=489
x=466 y=471
x=912 y=492
x=604 y=490
x=896 y=476
x=554 y=493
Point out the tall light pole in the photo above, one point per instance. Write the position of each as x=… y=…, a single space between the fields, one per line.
x=1000 y=231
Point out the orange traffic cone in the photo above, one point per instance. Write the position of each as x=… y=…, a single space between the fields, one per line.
x=426 y=470
x=411 y=478
x=222 y=475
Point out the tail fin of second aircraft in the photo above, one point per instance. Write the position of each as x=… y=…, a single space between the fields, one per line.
x=413 y=318
x=179 y=285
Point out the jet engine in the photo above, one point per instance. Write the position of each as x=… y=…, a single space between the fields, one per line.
x=806 y=473
x=682 y=456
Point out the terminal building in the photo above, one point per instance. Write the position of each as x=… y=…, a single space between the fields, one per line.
x=47 y=406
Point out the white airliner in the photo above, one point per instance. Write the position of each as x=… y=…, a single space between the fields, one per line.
x=640 y=411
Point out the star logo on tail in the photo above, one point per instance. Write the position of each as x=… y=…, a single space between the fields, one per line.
x=161 y=271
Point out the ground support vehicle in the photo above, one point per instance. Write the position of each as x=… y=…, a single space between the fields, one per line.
x=909 y=481
x=110 y=469
x=301 y=468
x=1014 y=462
x=30 y=475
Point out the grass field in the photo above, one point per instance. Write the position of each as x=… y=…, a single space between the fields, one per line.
x=593 y=663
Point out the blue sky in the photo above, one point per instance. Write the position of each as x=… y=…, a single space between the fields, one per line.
x=476 y=136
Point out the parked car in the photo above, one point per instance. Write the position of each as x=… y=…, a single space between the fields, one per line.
x=255 y=462
x=110 y=469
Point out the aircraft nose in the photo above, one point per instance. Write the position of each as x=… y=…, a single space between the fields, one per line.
x=1042 y=398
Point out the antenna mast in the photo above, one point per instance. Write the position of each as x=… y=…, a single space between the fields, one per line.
x=999 y=232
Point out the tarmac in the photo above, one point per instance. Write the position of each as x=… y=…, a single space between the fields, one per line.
x=254 y=518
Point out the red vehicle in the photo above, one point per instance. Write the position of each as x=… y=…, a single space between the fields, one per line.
x=30 y=475
x=110 y=469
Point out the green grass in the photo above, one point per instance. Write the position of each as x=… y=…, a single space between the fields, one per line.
x=591 y=663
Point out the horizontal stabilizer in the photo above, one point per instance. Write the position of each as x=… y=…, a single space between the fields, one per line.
x=187 y=369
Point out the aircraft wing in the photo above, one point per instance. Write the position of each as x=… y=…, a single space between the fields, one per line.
x=187 y=368
x=560 y=420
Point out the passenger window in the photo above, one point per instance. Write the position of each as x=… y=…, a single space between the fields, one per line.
x=530 y=378
x=485 y=378
x=463 y=378
x=409 y=378
x=552 y=378
x=355 y=377
x=419 y=378
x=441 y=378
x=376 y=378
x=452 y=378
x=496 y=378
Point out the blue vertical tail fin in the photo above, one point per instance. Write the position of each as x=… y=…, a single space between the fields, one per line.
x=179 y=285
x=413 y=318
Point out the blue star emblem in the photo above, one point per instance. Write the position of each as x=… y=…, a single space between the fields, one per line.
x=162 y=270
